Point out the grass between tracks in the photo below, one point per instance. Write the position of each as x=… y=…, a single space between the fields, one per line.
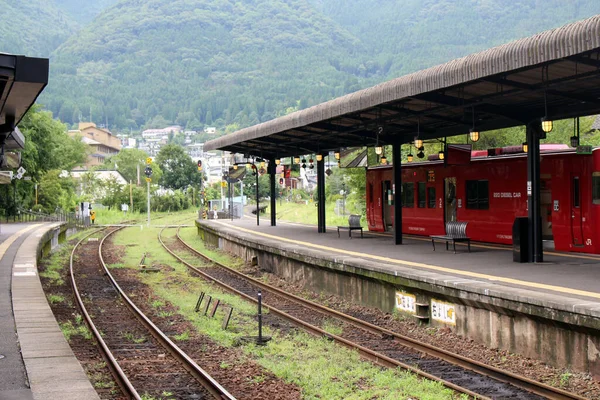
x=320 y=368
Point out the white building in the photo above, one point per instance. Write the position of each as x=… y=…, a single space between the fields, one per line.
x=161 y=133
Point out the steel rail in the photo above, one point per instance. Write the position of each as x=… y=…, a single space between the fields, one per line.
x=112 y=363
x=218 y=391
x=456 y=359
x=365 y=352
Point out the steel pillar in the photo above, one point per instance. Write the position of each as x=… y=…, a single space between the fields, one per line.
x=534 y=134
x=321 y=195
x=272 y=172
x=397 y=191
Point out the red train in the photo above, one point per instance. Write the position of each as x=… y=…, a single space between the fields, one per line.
x=490 y=192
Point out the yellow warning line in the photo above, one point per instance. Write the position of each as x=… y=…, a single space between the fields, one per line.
x=425 y=266
x=6 y=244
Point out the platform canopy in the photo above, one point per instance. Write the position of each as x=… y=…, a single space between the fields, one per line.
x=22 y=79
x=555 y=74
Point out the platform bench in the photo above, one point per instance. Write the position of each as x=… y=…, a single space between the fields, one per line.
x=455 y=232
x=262 y=209
x=353 y=224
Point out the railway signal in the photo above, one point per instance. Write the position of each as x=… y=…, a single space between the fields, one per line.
x=199 y=165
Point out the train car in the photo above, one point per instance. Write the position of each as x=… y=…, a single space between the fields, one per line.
x=489 y=192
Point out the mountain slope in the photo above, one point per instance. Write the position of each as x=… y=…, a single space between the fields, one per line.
x=83 y=11
x=422 y=33
x=230 y=63
x=32 y=27
x=194 y=62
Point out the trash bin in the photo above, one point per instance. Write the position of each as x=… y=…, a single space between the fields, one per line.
x=520 y=236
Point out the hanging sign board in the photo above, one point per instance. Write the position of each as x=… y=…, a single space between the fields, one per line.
x=584 y=149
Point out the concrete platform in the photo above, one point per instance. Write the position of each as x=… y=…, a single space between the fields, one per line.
x=38 y=363
x=550 y=310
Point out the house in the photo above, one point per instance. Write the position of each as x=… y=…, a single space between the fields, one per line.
x=102 y=142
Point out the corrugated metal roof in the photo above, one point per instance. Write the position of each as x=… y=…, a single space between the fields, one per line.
x=577 y=38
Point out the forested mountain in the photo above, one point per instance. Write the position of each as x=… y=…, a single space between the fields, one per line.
x=83 y=11
x=37 y=27
x=33 y=27
x=422 y=33
x=232 y=63
x=155 y=62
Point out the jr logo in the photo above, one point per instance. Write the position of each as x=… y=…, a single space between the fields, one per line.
x=588 y=242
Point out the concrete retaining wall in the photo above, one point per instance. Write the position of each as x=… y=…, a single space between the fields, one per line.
x=534 y=327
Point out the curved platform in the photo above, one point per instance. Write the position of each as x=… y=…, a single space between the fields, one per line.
x=37 y=362
x=549 y=311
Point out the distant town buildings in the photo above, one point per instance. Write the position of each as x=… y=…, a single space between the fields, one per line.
x=161 y=133
x=103 y=143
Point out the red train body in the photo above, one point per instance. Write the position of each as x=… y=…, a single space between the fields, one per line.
x=489 y=193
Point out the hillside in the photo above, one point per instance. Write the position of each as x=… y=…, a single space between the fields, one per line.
x=33 y=27
x=83 y=11
x=194 y=62
x=422 y=33
x=231 y=64
x=37 y=27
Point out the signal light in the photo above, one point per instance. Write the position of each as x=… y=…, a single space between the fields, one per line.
x=199 y=165
x=281 y=181
x=148 y=171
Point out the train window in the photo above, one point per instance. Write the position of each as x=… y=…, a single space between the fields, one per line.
x=408 y=194
x=596 y=187
x=430 y=197
x=478 y=195
x=421 y=193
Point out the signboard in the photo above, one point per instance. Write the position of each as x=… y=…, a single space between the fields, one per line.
x=149 y=160
x=581 y=149
x=148 y=180
x=406 y=302
x=431 y=176
x=443 y=312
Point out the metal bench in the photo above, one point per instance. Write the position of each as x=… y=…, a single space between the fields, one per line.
x=455 y=232
x=353 y=224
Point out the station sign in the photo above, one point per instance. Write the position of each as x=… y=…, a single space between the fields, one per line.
x=584 y=149
x=443 y=312
x=431 y=176
x=406 y=302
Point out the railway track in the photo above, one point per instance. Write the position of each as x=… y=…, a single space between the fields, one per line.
x=378 y=344
x=144 y=361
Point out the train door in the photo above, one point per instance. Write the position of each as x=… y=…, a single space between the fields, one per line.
x=576 y=222
x=546 y=206
x=387 y=202
x=450 y=203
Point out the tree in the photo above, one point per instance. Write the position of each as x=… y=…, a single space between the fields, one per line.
x=127 y=161
x=56 y=191
x=47 y=144
x=179 y=171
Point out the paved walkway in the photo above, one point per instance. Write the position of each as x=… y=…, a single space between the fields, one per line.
x=38 y=362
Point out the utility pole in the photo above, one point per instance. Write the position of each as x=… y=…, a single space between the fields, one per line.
x=148 y=181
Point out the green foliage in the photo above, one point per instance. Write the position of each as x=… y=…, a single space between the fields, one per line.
x=233 y=64
x=179 y=171
x=56 y=191
x=128 y=160
x=170 y=202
